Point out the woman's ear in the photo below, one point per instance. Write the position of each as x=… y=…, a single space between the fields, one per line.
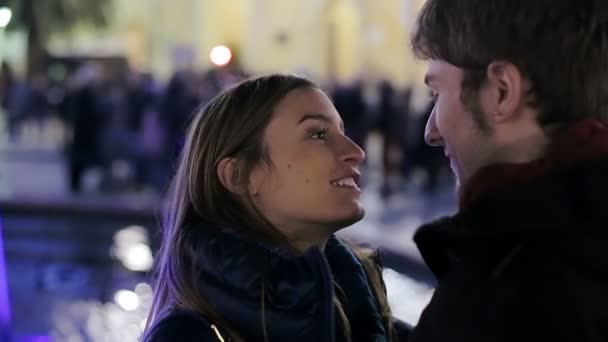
x=228 y=172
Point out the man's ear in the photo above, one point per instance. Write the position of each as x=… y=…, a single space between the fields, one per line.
x=228 y=172
x=508 y=90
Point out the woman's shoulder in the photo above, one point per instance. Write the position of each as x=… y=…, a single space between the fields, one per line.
x=183 y=326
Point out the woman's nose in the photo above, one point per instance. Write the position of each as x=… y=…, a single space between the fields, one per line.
x=353 y=152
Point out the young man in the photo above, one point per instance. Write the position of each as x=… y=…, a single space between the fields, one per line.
x=521 y=105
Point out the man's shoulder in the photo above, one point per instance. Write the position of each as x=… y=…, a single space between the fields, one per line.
x=182 y=326
x=534 y=294
x=516 y=311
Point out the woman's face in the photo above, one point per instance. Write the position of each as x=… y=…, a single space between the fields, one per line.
x=311 y=187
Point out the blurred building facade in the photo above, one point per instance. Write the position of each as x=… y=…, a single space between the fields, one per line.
x=330 y=40
x=344 y=39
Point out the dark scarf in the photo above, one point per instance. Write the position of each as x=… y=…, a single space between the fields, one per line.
x=297 y=288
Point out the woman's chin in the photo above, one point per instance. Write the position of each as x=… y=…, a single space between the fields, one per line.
x=349 y=219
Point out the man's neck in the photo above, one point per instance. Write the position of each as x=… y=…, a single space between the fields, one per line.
x=520 y=145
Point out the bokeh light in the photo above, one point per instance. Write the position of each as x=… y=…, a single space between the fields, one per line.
x=127 y=300
x=220 y=55
x=132 y=249
x=138 y=258
x=5 y=16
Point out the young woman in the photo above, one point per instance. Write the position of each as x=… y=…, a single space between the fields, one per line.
x=265 y=179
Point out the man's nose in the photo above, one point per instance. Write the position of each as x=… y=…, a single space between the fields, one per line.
x=431 y=133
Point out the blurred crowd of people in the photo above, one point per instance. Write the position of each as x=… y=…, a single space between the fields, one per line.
x=129 y=128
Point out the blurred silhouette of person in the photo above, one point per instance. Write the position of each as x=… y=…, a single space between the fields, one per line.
x=37 y=107
x=349 y=101
x=87 y=116
x=430 y=159
x=13 y=98
x=177 y=107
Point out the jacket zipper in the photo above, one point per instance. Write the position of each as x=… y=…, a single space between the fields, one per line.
x=217 y=333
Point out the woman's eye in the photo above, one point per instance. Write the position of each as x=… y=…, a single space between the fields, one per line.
x=321 y=135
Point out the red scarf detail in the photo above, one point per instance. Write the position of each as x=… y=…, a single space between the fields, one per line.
x=585 y=140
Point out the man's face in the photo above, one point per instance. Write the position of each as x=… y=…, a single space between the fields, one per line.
x=452 y=125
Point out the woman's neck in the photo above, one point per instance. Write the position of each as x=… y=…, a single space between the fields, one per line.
x=303 y=237
x=303 y=245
